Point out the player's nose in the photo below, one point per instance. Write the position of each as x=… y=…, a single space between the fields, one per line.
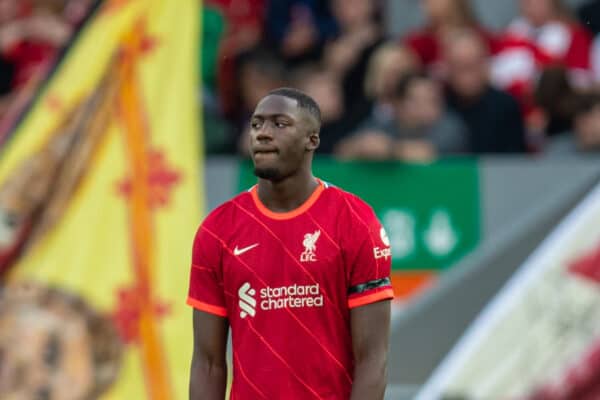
x=264 y=134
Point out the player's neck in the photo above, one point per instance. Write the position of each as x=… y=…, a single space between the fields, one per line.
x=288 y=194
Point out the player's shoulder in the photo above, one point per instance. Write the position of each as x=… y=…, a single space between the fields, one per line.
x=223 y=214
x=350 y=201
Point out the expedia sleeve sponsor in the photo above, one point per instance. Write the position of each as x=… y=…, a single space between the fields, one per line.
x=384 y=252
x=369 y=258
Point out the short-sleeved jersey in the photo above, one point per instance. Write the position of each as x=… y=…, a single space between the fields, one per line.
x=286 y=282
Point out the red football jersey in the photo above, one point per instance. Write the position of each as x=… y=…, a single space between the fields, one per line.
x=286 y=282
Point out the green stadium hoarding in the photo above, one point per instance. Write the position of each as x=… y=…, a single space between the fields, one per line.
x=430 y=211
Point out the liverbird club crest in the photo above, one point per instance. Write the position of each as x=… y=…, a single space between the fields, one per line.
x=310 y=247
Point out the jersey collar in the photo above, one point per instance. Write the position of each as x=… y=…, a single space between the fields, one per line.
x=289 y=214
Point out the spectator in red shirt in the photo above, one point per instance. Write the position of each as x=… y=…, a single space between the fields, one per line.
x=9 y=11
x=544 y=34
x=243 y=32
x=30 y=42
x=442 y=17
x=244 y=22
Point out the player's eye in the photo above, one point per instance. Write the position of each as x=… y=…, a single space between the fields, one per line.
x=256 y=124
x=280 y=124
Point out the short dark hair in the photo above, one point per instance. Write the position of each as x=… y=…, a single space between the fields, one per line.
x=303 y=101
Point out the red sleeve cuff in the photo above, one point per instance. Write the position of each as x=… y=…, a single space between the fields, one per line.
x=209 y=308
x=368 y=298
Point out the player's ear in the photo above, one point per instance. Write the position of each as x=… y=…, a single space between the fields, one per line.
x=313 y=141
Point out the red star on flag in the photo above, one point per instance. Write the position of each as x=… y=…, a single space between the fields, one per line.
x=127 y=313
x=141 y=43
x=148 y=43
x=161 y=179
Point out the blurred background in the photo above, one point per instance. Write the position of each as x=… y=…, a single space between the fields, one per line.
x=471 y=126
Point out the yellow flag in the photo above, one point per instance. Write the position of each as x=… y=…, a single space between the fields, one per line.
x=99 y=200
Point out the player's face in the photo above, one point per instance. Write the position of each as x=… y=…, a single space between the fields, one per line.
x=279 y=138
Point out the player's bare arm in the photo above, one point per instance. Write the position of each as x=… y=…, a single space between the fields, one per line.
x=370 y=325
x=208 y=378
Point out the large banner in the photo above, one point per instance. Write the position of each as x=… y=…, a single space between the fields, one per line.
x=99 y=201
x=431 y=212
x=540 y=336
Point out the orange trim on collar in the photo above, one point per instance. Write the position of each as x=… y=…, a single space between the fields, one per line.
x=289 y=214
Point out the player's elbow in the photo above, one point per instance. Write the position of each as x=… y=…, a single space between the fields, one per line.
x=374 y=365
x=208 y=378
x=373 y=354
x=370 y=378
x=208 y=365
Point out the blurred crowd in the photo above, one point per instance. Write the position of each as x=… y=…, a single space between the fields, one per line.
x=32 y=33
x=450 y=87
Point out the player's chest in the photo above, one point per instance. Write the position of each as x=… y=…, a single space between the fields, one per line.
x=283 y=254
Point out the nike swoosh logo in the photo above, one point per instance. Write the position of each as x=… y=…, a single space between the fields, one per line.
x=237 y=252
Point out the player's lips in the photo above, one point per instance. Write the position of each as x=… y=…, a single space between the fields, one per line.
x=265 y=150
